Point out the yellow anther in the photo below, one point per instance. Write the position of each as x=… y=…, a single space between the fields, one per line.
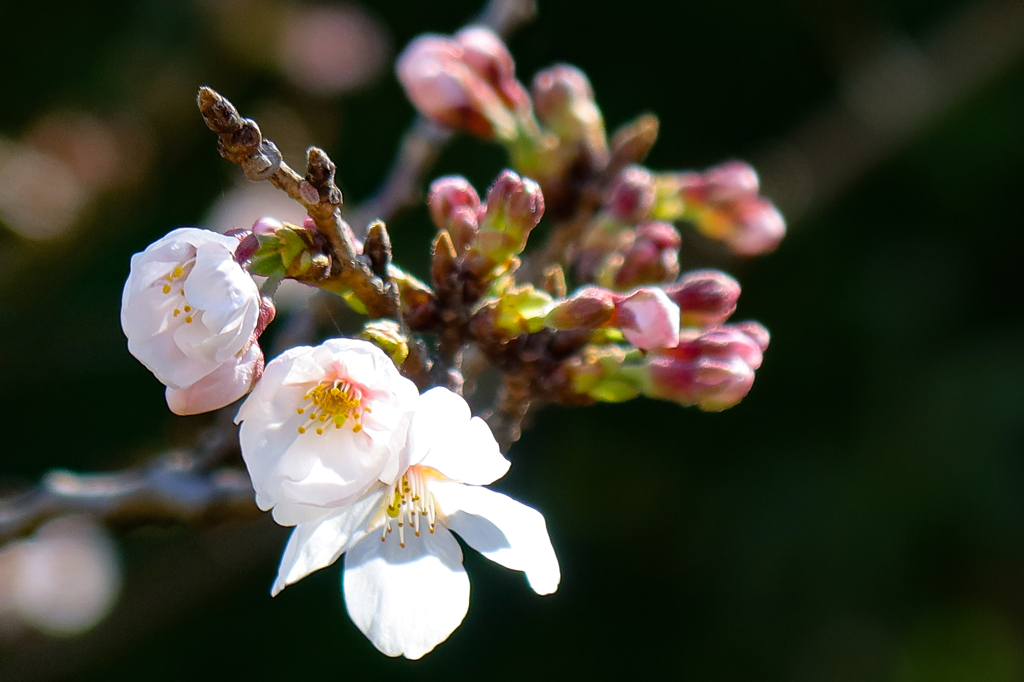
x=356 y=428
x=188 y=309
x=167 y=288
x=334 y=401
x=320 y=431
x=177 y=272
x=188 y=320
x=302 y=429
x=177 y=312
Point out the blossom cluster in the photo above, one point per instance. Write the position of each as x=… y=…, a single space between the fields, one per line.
x=366 y=445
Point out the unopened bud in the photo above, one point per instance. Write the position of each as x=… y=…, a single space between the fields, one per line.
x=653 y=258
x=388 y=336
x=724 y=204
x=453 y=207
x=444 y=88
x=595 y=373
x=514 y=207
x=485 y=53
x=704 y=297
x=631 y=195
x=648 y=318
x=588 y=308
x=713 y=368
x=564 y=101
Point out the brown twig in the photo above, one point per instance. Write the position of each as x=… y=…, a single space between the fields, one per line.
x=241 y=142
x=170 y=489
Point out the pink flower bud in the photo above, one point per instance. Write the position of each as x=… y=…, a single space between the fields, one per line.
x=648 y=318
x=557 y=89
x=588 y=308
x=445 y=87
x=513 y=208
x=653 y=257
x=705 y=297
x=485 y=53
x=760 y=228
x=452 y=195
x=713 y=368
x=724 y=204
x=631 y=195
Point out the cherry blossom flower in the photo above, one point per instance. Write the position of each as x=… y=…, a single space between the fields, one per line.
x=191 y=313
x=323 y=425
x=404 y=584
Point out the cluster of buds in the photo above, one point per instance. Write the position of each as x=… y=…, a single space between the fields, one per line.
x=724 y=203
x=338 y=439
x=479 y=242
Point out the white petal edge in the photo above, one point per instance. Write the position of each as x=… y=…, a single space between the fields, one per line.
x=445 y=438
x=406 y=600
x=317 y=544
x=505 y=531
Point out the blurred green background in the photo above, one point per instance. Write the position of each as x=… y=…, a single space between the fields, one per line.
x=860 y=516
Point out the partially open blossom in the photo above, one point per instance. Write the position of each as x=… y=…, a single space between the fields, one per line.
x=648 y=318
x=724 y=204
x=711 y=368
x=189 y=311
x=466 y=82
x=404 y=583
x=704 y=297
x=323 y=425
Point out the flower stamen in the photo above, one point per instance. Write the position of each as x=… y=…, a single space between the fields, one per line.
x=410 y=500
x=333 y=403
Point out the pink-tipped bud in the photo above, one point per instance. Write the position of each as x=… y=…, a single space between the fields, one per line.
x=713 y=368
x=759 y=228
x=648 y=318
x=485 y=53
x=631 y=195
x=653 y=258
x=453 y=207
x=705 y=297
x=564 y=101
x=756 y=331
x=557 y=89
x=514 y=207
x=445 y=89
x=724 y=204
x=588 y=308
x=730 y=181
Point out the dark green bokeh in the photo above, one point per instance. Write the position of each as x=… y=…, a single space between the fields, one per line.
x=859 y=517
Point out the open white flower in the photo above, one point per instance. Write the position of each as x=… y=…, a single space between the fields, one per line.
x=404 y=583
x=189 y=310
x=323 y=425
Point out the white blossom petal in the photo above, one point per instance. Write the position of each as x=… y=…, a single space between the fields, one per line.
x=445 y=438
x=223 y=386
x=316 y=544
x=294 y=471
x=406 y=600
x=503 y=530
